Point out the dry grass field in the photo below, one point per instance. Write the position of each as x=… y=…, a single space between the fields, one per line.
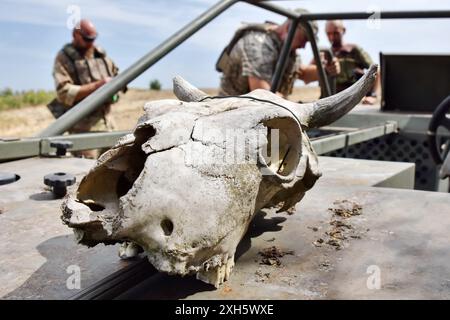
x=28 y=121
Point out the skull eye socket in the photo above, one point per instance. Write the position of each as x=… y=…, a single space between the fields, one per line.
x=282 y=151
x=278 y=155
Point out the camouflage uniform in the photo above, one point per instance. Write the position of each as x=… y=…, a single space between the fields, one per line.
x=70 y=71
x=254 y=52
x=353 y=60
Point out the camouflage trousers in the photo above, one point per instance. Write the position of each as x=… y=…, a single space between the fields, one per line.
x=99 y=121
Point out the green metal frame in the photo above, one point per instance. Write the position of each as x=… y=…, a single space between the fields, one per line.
x=32 y=147
x=343 y=140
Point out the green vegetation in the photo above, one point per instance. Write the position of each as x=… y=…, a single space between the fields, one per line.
x=155 y=85
x=10 y=99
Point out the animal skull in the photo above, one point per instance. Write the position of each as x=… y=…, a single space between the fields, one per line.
x=174 y=188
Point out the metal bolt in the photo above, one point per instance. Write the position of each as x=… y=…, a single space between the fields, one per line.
x=59 y=182
x=61 y=146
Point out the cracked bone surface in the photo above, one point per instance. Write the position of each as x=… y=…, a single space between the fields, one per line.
x=186 y=183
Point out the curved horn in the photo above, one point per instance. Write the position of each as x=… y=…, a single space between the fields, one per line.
x=185 y=91
x=328 y=110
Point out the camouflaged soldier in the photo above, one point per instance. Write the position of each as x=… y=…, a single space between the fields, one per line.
x=352 y=59
x=248 y=62
x=80 y=68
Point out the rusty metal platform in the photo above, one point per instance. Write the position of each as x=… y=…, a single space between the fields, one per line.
x=403 y=234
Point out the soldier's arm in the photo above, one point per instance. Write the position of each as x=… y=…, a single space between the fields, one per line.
x=87 y=89
x=68 y=92
x=257 y=59
x=257 y=83
x=308 y=73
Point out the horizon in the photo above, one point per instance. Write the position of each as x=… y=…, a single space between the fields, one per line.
x=34 y=31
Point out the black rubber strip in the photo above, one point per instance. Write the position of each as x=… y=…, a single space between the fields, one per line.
x=118 y=282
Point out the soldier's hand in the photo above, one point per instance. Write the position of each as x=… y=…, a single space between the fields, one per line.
x=105 y=80
x=369 y=100
x=333 y=68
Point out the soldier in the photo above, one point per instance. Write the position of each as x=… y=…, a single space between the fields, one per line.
x=352 y=59
x=248 y=62
x=80 y=68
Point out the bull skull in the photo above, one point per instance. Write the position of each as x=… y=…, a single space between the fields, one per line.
x=174 y=188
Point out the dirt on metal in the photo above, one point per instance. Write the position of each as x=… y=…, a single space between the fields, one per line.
x=346 y=208
x=340 y=230
x=271 y=256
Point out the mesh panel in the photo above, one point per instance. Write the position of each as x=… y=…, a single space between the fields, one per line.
x=399 y=148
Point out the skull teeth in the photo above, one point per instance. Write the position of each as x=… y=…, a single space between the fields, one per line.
x=217 y=275
x=128 y=250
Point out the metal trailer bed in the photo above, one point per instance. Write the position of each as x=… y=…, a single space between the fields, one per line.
x=401 y=233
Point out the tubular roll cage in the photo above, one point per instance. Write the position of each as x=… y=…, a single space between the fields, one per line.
x=39 y=144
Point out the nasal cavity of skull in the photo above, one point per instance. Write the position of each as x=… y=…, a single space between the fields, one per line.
x=167 y=226
x=107 y=183
x=125 y=179
x=124 y=184
x=283 y=144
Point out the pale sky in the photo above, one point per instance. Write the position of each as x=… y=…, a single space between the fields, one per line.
x=32 y=32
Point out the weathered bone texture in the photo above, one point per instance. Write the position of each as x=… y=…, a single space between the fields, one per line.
x=167 y=188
